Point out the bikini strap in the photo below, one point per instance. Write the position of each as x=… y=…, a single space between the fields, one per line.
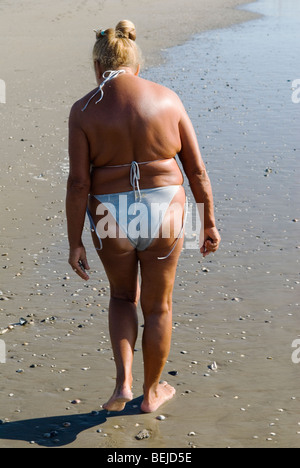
x=135 y=177
x=181 y=232
x=108 y=76
x=93 y=228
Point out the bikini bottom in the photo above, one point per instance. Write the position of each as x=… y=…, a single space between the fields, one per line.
x=138 y=217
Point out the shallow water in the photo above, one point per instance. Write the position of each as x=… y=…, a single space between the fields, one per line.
x=237 y=87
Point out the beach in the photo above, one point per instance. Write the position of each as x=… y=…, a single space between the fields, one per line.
x=236 y=313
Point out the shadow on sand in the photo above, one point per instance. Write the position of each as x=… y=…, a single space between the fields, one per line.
x=51 y=432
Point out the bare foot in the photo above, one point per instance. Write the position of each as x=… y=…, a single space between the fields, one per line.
x=120 y=397
x=163 y=394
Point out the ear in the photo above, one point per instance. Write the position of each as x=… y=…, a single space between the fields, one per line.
x=138 y=70
x=98 y=69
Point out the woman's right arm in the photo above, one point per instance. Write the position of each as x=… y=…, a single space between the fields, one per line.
x=195 y=170
x=78 y=189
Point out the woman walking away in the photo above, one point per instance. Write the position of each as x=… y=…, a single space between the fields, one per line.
x=123 y=139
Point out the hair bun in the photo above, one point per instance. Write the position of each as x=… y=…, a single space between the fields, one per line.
x=126 y=29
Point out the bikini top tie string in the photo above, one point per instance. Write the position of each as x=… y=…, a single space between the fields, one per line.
x=135 y=176
x=108 y=76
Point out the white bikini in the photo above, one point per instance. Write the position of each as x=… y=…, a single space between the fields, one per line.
x=152 y=204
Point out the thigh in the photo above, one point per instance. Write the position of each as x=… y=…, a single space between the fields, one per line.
x=120 y=261
x=158 y=277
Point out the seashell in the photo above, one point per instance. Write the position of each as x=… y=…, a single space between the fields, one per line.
x=213 y=366
x=23 y=321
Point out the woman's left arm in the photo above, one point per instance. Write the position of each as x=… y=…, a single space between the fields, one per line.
x=78 y=189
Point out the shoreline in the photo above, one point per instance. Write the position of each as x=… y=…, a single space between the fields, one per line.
x=59 y=28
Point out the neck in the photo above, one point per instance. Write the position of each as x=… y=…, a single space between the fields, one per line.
x=126 y=69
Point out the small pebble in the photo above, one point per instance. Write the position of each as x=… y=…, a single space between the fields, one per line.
x=144 y=434
x=76 y=402
x=161 y=417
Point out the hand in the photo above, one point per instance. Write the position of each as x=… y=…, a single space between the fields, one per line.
x=79 y=263
x=211 y=241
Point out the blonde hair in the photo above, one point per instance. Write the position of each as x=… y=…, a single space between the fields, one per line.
x=115 y=48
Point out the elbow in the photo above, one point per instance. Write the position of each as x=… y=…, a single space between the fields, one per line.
x=79 y=185
x=199 y=175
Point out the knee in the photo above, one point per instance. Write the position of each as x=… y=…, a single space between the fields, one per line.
x=125 y=296
x=156 y=308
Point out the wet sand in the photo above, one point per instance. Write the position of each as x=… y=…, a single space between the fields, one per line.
x=238 y=308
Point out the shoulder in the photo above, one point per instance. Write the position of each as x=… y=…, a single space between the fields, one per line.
x=163 y=93
x=156 y=87
x=76 y=109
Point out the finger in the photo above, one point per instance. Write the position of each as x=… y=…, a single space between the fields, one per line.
x=85 y=264
x=212 y=246
x=82 y=273
x=79 y=270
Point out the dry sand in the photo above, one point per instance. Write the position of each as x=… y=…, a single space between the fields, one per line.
x=63 y=353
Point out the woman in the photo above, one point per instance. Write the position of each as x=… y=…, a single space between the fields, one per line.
x=123 y=138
